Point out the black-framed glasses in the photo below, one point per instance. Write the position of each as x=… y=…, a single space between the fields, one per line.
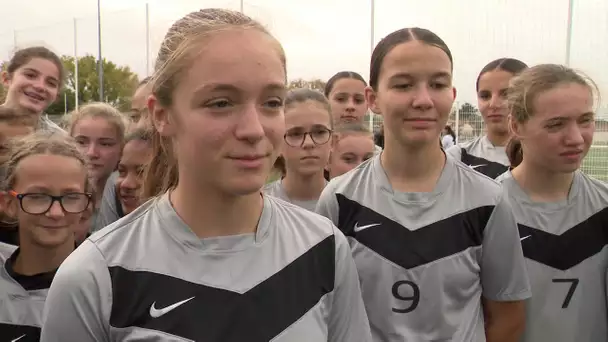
x=39 y=204
x=319 y=135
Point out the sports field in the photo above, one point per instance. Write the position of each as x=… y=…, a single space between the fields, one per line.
x=596 y=162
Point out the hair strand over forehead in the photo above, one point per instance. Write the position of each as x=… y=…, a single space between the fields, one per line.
x=525 y=88
x=530 y=83
x=40 y=142
x=181 y=45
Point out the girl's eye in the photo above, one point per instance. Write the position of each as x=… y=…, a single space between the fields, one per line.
x=295 y=134
x=438 y=85
x=274 y=103
x=218 y=104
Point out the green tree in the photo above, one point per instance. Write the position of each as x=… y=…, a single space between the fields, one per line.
x=316 y=84
x=119 y=83
x=3 y=66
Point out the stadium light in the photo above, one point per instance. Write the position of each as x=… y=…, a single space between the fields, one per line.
x=100 y=61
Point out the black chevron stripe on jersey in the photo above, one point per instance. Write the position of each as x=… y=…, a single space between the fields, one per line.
x=220 y=315
x=21 y=333
x=483 y=166
x=412 y=248
x=569 y=249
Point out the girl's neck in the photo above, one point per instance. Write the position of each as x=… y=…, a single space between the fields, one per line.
x=100 y=185
x=22 y=110
x=499 y=138
x=412 y=168
x=303 y=188
x=542 y=185
x=211 y=213
x=34 y=259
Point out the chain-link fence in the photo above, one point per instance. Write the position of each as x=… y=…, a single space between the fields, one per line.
x=471 y=126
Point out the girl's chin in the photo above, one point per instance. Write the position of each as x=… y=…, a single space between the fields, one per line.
x=31 y=107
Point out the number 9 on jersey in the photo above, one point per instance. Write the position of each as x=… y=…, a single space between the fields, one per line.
x=408 y=295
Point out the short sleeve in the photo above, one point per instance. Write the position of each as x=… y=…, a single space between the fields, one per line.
x=327 y=205
x=108 y=212
x=348 y=320
x=447 y=141
x=454 y=152
x=503 y=268
x=79 y=302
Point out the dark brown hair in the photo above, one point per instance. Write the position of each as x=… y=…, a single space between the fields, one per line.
x=399 y=37
x=24 y=56
x=139 y=134
x=510 y=65
x=329 y=86
x=514 y=152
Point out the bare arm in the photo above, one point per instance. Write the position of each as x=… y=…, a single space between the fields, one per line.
x=505 y=321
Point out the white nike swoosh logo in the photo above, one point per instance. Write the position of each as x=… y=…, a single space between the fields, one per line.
x=522 y=239
x=18 y=338
x=476 y=166
x=360 y=228
x=155 y=313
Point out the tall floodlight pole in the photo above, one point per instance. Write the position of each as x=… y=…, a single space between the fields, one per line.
x=99 y=57
x=371 y=50
x=242 y=6
x=76 y=64
x=147 y=39
x=569 y=32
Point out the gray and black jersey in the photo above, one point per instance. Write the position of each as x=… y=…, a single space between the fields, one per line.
x=110 y=209
x=565 y=248
x=148 y=277
x=277 y=190
x=482 y=156
x=22 y=299
x=426 y=260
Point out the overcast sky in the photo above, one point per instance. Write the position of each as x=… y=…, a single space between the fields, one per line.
x=322 y=37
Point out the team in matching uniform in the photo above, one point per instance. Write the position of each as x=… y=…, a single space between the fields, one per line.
x=417 y=243
x=486 y=154
x=247 y=267
x=561 y=213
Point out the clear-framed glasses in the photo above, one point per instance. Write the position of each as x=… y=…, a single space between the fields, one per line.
x=319 y=135
x=39 y=204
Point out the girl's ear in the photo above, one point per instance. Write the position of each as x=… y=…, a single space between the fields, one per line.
x=514 y=127
x=6 y=78
x=7 y=205
x=335 y=137
x=371 y=99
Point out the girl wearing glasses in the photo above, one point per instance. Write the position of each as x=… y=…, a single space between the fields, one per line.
x=46 y=191
x=305 y=154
